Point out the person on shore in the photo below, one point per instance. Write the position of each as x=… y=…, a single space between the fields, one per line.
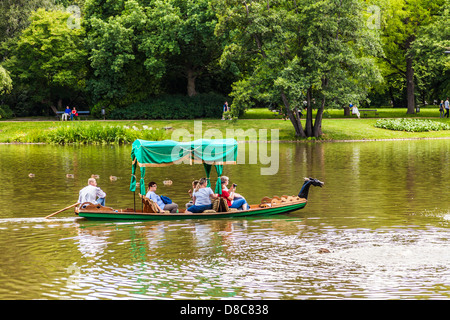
x=229 y=195
x=151 y=194
x=447 y=108
x=91 y=193
x=355 y=110
x=74 y=113
x=441 y=109
x=202 y=197
x=66 y=114
x=225 y=109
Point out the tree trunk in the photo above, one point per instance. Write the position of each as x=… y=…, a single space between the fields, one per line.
x=50 y=104
x=309 y=124
x=391 y=95
x=411 y=100
x=410 y=97
x=53 y=108
x=318 y=122
x=346 y=111
x=295 y=118
x=191 y=83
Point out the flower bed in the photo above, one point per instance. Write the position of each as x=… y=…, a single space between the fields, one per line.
x=411 y=125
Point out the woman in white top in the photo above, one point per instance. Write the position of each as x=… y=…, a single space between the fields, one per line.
x=202 y=197
x=355 y=110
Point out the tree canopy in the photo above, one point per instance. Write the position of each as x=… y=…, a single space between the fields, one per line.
x=49 y=59
x=406 y=62
x=300 y=51
x=291 y=55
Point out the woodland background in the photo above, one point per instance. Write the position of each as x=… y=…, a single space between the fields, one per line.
x=182 y=59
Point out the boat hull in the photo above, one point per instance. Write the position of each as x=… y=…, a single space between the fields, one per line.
x=132 y=215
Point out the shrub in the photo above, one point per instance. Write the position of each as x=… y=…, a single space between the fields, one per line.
x=411 y=125
x=5 y=112
x=173 y=107
x=94 y=134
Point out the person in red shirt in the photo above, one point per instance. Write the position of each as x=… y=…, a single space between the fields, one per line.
x=74 y=113
x=229 y=194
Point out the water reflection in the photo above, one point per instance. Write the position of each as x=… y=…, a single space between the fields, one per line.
x=213 y=260
x=382 y=215
x=257 y=259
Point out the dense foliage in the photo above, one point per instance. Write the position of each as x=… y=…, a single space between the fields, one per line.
x=173 y=107
x=90 y=133
x=300 y=51
x=162 y=59
x=414 y=35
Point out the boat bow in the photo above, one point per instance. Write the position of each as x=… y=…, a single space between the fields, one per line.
x=307 y=184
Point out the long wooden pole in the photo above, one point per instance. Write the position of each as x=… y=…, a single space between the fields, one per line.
x=55 y=213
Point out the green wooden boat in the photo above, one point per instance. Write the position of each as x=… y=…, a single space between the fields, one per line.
x=207 y=152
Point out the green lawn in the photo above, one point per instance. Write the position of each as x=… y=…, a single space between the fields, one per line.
x=360 y=129
x=425 y=112
x=251 y=127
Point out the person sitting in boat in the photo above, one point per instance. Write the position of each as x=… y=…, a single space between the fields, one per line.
x=151 y=194
x=91 y=193
x=229 y=195
x=191 y=202
x=236 y=196
x=202 y=197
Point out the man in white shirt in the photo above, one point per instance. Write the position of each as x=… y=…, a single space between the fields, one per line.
x=91 y=192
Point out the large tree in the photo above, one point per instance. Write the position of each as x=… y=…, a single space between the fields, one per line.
x=300 y=50
x=139 y=48
x=117 y=72
x=402 y=21
x=184 y=40
x=49 y=61
x=432 y=65
x=14 y=18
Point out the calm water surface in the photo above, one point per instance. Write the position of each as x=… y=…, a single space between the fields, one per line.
x=383 y=214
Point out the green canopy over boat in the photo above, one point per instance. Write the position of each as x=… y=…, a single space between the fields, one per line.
x=208 y=152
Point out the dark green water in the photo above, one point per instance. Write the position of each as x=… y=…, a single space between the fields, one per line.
x=383 y=214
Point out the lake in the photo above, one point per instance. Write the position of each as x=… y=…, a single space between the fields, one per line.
x=383 y=215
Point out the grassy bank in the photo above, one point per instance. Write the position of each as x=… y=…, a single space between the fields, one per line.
x=119 y=132
x=363 y=129
x=384 y=112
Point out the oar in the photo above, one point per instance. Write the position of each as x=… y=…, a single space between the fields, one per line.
x=55 y=213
